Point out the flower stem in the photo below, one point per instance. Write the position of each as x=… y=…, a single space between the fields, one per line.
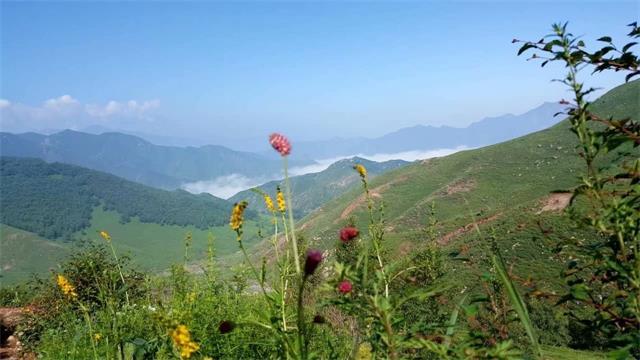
x=292 y=229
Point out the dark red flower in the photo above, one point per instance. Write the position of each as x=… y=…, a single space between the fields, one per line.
x=349 y=233
x=314 y=257
x=318 y=319
x=345 y=287
x=280 y=143
x=226 y=326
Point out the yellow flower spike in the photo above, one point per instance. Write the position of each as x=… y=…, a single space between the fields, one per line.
x=282 y=206
x=182 y=341
x=97 y=337
x=361 y=170
x=237 y=217
x=105 y=235
x=268 y=202
x=66 y=287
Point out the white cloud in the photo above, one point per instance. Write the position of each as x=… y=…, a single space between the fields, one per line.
x=129 y=108
x=67 y=112
x=413 y=155
x=224 y=186
x=64 y=101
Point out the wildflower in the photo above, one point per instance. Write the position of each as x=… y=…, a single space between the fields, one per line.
x=182 y=341
x=361 y=170
x=282 y=206
x=105 y=235
x=345 y=287
x=349 y=233
x=268 y=202
x=97 y=337
x=66 y=287
x=237 y=217
x=226 y=326
x=280 y=143
x=314 y=257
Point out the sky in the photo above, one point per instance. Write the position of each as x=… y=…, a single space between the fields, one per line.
x=232 y=72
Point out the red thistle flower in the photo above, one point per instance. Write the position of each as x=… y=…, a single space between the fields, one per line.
x=345 y=287
x=280 y=143
x=349 y=233
x=314 y=257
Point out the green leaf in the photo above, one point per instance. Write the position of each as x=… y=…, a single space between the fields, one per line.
x=525 y=47
x=605 y=39
x=517 y=302
x=628 y=46
x=579 y=292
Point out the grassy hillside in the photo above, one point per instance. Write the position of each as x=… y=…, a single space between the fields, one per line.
x=23 y=253
x=313 y=190
x=504 y=187
x=153 y=247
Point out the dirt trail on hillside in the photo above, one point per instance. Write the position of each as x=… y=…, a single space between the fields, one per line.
x=376 y=192
x=444 y=240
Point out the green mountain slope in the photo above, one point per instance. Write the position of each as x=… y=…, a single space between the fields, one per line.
x=312 y=190
x=56 y=200
x=505 y=186
x=45 y=209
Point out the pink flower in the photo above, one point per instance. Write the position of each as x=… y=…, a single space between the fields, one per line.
x=280 y=143
x=345 y=287
x=349 y=233
x=314 y=257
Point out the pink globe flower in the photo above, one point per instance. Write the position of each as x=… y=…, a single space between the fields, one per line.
x=345 y=287
x=349 y=233
x=280 y=143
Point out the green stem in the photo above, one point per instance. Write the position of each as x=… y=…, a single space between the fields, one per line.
x=126 y=292
x=301 y=326
x=292 y=229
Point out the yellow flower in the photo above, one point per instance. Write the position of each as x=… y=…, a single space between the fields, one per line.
x=182 y=341
x=105 y=235
x=364 y=352
x=282 y=206
x=97 y=336
x=237 y=215
x=361 y=170
x=269 y=203
x=66 y=287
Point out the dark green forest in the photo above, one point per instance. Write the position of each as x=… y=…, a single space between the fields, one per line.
x=56 y=200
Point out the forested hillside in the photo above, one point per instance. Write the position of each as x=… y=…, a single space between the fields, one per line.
x=56 y=200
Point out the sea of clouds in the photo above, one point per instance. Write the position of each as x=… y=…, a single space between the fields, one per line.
x=229 y=185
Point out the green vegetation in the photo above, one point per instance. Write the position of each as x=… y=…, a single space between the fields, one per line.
x=23 y=253
x=471 y=256
x=57 y=200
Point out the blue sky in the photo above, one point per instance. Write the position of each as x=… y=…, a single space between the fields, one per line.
x=224 y=71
